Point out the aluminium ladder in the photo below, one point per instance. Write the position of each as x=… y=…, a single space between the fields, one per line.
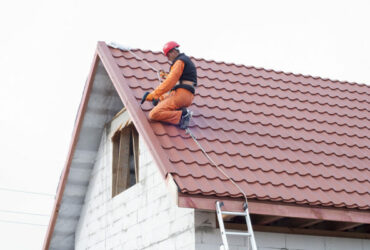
x=248 y=234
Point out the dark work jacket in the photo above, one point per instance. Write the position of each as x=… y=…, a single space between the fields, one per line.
x=190 y=71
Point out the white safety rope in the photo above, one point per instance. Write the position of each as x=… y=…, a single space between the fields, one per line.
x=188 y=131
x=148 y=64
x=125 y=48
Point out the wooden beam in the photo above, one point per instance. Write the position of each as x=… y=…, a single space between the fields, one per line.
x=309 y=223
x=365 y=228
x=115 y=154
x=264 y=220
x=123 y=160
x=227 y=217
x=299 y=231
x=345 y=226
x=207 y=203
x=312 y=232
x=135 y=145
x=119 y=113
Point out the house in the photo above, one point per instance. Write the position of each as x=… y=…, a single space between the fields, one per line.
x=298 y=146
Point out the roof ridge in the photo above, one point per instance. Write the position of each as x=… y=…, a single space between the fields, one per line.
x=266 y=70
x=254 y=76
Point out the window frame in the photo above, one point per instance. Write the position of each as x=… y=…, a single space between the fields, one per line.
x=125 y=140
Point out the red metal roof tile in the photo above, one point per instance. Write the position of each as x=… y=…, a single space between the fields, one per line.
x=282 y=137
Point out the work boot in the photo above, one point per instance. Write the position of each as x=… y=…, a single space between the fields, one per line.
x=185 y=118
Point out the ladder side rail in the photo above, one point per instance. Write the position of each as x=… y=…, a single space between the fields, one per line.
x=250 y=230
x=222 y=226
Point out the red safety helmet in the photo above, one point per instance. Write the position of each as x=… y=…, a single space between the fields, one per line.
x=168 y=46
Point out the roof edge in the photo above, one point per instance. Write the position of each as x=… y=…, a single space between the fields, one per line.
x=275 y=209
x=72 y=147
x=276 y=71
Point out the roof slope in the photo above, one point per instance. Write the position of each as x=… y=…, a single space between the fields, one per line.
x=282 y=137
x=298 y=146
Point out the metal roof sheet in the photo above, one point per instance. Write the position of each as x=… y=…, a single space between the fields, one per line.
x=281 y=136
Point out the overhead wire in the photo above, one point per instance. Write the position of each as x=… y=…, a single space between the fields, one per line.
x=21 y=212
x=26 y=192
x=22 y=223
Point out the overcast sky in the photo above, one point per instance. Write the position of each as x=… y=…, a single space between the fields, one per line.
x=47 y=47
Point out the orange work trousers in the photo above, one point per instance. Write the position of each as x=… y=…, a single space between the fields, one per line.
x=169 y=110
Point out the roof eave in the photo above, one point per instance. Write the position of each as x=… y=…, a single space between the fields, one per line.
x=275 y=209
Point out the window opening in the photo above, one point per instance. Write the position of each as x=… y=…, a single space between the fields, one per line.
x=125 y=159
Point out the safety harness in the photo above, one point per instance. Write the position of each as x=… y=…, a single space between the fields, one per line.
x=189 y=74
x=184 y=86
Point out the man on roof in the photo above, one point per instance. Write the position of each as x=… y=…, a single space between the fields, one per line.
x=176 y=92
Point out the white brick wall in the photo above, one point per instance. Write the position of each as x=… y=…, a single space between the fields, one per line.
x=143 y=217
x=208 y=237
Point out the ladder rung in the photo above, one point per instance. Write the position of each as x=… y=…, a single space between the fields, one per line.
x=238 y=233
x=249 y=233
x=234 y=213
